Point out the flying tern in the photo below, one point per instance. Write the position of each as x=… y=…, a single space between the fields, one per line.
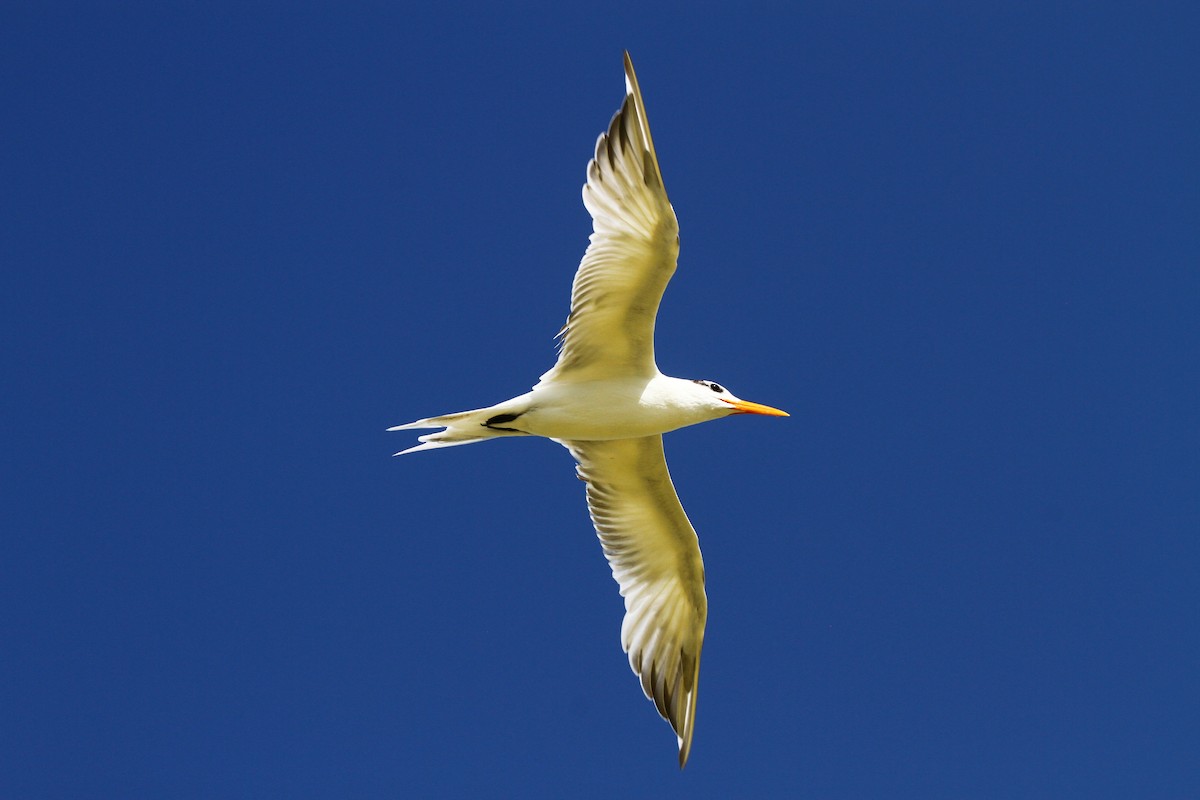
x=607 y=403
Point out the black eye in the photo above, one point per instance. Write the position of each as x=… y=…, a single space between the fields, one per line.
x=716 y=388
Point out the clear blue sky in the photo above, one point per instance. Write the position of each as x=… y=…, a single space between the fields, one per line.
x=961 y=246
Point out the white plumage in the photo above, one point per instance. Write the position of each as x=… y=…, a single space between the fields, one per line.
x=607 y=403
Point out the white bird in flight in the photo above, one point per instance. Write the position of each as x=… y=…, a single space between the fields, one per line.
x=607 y=403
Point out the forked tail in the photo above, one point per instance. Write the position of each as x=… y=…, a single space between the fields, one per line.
x=465 y=427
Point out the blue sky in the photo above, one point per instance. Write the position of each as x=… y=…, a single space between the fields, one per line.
x=960 y=245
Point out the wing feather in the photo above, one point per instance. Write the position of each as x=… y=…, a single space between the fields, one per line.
x=655 y=558
x=630 y=257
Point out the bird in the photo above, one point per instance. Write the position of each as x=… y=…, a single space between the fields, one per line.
x=608 y=404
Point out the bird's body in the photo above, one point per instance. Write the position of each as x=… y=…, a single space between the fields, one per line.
x=617 y=408
x=607 y=403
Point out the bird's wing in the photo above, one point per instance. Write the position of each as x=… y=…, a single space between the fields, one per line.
x=631 y=256
x=655 y=558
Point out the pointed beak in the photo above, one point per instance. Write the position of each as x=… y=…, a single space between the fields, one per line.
x=746 y=407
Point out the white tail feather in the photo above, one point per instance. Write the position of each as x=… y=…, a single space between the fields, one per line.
x=465 y=427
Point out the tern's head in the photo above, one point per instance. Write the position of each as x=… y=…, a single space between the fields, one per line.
x=723 y=402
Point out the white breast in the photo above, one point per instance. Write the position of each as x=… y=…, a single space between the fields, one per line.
x=608 y=409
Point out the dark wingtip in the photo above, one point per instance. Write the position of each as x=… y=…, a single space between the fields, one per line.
x=684 y=751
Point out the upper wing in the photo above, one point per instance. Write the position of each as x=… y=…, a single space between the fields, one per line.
x=655 y=558
x=631 y=256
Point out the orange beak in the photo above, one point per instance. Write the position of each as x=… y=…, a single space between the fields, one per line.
x=746 y=407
